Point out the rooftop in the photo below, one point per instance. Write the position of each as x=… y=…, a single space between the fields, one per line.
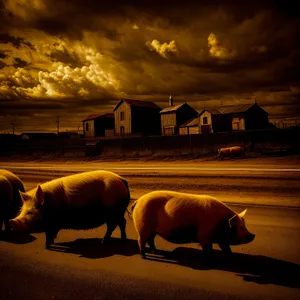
x=229 y=109
x=137 y=103
x=95 y=116
x=191 y=122
x=171 y=108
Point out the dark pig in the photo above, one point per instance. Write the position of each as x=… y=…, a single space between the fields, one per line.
x=82 y=201
x=10 y=199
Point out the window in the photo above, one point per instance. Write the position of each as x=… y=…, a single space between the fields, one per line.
x=205 y=121
x=86 y=126
x=122 y=130
x=235 y=123
x=122 y=116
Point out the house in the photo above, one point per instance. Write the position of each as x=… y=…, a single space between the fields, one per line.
x=190 y=127
x=98 y=125
x=172 y=117
x=212 y=120
x=137 y=117
x=233 y=117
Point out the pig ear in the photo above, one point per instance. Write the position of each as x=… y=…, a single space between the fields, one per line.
x=40 y=195
x=242 y=214
x=23 y=196
x=231 y=221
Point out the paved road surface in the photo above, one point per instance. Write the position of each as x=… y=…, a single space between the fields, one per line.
x=251 y=187
x=79 y=267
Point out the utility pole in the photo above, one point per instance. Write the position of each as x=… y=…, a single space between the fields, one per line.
x=57 y=121
x=13 y=128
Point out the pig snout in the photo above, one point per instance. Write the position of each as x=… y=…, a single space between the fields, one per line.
x=17 y=225
x=250 y=237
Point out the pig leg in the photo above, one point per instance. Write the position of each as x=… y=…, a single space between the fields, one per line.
x=122 y=226
x=145 y=236
x=151 y=243
x=142 y=246
x=206 y=245
x=111 y=226
x=225 y=247
x=207 y=250
x=50 y=237
x=7 y=225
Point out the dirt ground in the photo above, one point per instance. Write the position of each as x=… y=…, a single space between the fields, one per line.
x=257 y=160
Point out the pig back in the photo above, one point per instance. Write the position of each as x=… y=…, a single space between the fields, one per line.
x=17 y=186
x=6 y=193
x=14 y=180
x=170 y=210
x=98 y=188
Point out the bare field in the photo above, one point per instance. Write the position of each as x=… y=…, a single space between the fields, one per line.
x=251 y=160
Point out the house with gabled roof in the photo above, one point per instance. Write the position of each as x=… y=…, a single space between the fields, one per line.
x=190 y=127
x=172 y=117
x=233 y=117
x=137 y=117
x=98 y=125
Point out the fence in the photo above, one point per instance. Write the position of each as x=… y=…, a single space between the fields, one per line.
x=196 y=144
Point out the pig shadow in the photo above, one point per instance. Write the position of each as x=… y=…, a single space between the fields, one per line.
x=16 y=237
x=93 y=248
x=253 y=268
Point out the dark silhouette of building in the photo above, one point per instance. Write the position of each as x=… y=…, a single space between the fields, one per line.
x=98 y=125
x=172 y=117
x=137 y=117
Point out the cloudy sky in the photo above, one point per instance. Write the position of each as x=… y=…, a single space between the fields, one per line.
x=74 y=58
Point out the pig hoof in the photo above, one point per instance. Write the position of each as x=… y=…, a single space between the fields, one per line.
x=48 y=245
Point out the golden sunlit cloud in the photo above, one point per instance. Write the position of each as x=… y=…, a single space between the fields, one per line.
x=216 y=49
x=27 y=9
x=164 y=49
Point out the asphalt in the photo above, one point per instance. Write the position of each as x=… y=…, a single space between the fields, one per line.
x=80 y=267
x=281 y=189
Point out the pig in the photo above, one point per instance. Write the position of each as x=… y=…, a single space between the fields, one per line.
x=81 y=201
x=182 y=218
x=231 y=152
x=10 y=200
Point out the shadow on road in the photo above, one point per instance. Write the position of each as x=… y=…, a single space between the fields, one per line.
x=253 y=268
x=16 y=237
x=93 y=248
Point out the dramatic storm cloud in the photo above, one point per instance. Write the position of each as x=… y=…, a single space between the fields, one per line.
x=74 y=58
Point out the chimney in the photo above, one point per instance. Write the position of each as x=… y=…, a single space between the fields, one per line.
x=170 y=101
x=254 y=98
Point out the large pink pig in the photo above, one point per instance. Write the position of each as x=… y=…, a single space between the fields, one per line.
x=188 y=218
x=10 y=200
x=81 y=201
